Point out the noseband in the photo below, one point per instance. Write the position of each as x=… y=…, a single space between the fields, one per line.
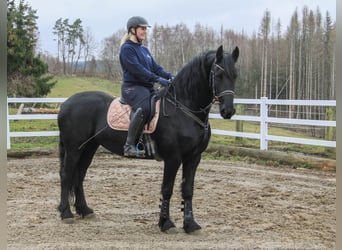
x=217 y=96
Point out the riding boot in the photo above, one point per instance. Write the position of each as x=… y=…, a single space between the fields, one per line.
x=134 y=130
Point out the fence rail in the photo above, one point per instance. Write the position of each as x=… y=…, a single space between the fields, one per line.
x=263 y=119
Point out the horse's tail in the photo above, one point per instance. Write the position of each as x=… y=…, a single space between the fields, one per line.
x=61 y=152
x=62 y=166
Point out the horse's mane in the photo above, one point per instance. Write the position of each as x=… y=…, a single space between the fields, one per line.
x=192 y=81
x=194 y=72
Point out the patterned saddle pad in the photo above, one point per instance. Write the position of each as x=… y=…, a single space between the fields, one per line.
x=118 y=117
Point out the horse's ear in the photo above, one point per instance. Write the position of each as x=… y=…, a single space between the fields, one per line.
x=219 y=54
x=235 y=54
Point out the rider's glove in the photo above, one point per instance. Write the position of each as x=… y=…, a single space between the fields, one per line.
x=163 y=81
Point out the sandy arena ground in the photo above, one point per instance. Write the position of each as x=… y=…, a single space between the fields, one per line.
x=238 y=205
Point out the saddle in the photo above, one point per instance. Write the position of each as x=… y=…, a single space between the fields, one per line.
x=118 y=115
x=118 y=118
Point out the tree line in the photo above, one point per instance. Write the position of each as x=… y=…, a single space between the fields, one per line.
x=296 y=64
x=293 y=63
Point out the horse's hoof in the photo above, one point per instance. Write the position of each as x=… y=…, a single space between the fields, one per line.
x=166 y=225
x=191 y=226
x=68 y=220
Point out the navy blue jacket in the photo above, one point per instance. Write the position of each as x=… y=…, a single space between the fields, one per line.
x=138 y=65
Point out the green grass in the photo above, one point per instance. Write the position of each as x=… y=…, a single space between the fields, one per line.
x=50 y=142
x=66 y=86
x=45 y=142
x=253 y=127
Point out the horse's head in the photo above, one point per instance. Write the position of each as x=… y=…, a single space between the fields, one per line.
x=222 y=76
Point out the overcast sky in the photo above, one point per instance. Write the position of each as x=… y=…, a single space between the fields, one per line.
x=105 y=17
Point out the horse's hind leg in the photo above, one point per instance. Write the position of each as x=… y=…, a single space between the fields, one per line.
x=84 y=162
x=68 y=164
x=189 y=170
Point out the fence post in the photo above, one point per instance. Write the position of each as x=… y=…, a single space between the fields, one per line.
x=329 y=131
x=239 y=123
x=263 y=123
x=8 y=129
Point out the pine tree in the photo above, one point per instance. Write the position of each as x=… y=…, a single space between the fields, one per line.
x=71 y=43
x=25 y=70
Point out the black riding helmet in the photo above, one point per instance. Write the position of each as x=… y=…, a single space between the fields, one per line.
x=137 y=21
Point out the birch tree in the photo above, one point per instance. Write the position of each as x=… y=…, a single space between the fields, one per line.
x=264 y=32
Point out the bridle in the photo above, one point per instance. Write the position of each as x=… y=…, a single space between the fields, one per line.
x=216 y=97
x=212 y=76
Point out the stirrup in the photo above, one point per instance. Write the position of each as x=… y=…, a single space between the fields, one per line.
x=133 y=151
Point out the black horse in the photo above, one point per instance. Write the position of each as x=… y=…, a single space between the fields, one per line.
x=182 y=133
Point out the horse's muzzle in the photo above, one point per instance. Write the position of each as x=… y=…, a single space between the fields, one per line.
x=227 y=113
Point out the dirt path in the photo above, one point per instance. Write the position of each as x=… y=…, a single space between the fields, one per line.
x=238 y=205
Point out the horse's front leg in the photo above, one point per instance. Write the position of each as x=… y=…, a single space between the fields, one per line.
x=165 y=222
x=170 y=172
x=189 y=170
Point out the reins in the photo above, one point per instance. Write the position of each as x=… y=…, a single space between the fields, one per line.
x=191 y=114
x=216 y=97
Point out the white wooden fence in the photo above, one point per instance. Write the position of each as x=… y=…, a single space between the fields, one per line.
x=263 y=119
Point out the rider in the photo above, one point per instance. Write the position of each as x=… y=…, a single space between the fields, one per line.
x=140 y=72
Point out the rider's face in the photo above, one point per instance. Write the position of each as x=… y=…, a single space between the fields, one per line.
x=141 y=32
